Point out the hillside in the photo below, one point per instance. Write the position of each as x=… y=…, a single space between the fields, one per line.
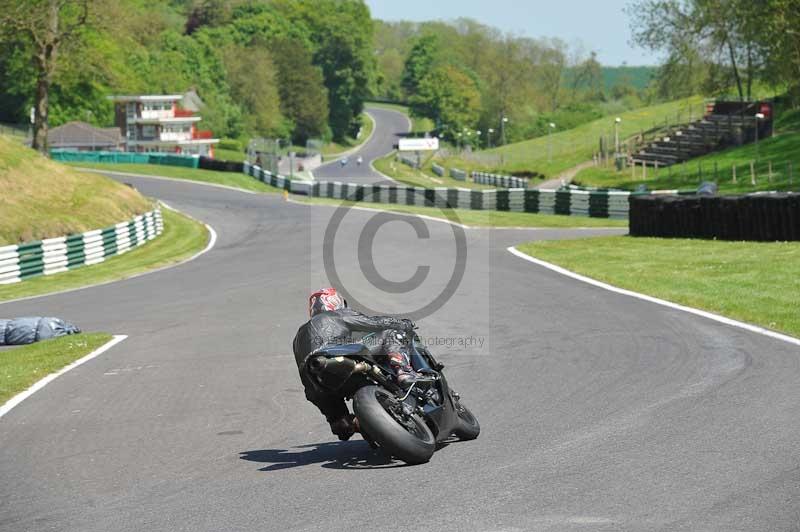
x=43 y=199
x=562 y=150
x=780 y=152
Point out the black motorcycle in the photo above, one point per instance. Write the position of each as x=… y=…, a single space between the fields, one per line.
x=404 y=423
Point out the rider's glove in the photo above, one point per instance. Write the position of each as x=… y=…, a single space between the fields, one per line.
x=408 y=325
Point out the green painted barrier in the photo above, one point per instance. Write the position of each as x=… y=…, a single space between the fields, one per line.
x=124 y=157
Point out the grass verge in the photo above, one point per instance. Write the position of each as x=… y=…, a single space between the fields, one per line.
x=40 y=198
x=388 y=165
x=231 y=179
x=483 y=218
x=182 y=238
x=754 y=282
x=780 y=151
x=550 y=155
x=21 y=367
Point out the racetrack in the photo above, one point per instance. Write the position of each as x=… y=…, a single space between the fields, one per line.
x=389 y=125
x=599 y=411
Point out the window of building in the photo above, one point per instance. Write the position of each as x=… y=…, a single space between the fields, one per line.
x=148 y=131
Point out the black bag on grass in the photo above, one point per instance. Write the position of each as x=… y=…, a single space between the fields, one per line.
x=19 y=331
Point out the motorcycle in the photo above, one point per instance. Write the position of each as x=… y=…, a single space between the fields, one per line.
x=404 y=423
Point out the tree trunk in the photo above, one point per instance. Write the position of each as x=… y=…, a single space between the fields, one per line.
x=41 y=110
x=749 y=72
x=735 y=70
x=46 y=63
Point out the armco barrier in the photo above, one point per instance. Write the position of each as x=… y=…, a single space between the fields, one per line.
x=460 y=175
x=762 y=217
x=438 y=170
x=599 y=204
x=409 y=161
x=499 y=180
x=54 y=255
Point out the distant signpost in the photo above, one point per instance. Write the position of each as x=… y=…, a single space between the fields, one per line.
x=423 y=144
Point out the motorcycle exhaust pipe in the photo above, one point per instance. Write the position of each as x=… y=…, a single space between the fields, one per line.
x=320 y=364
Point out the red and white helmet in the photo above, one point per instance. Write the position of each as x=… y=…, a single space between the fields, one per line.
x=325 y=300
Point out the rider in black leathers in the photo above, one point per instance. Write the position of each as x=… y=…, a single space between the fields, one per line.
x=332 y=323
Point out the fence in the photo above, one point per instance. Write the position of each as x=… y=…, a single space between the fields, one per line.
x=754 y=173
x=121 y=157
x=18 y=131
x=55 y=255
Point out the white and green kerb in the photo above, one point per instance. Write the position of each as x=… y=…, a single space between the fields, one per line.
x=55 y=255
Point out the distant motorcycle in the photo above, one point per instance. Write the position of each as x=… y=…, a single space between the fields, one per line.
x=406 y=424
x=343 y=161
x=359 y=161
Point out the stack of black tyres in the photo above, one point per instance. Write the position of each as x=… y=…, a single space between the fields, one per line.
x=760 y=217
x=207 y=163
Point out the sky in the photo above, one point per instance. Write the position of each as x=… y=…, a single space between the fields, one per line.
x=598 y=25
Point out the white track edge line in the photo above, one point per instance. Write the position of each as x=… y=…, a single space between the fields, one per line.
x=212 y=240
x=691 y=310
x=38 y=385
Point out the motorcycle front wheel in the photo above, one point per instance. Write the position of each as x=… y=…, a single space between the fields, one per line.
x=468 y=426
x=405 y=436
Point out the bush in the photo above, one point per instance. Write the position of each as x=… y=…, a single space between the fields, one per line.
x=230 y=144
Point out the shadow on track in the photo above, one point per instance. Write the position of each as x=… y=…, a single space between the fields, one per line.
x=334 y=455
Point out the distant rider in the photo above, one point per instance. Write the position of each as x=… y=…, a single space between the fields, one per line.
x=359 y=160
x=332 y=323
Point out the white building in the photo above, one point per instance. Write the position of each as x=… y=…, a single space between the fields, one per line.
x=155 y=123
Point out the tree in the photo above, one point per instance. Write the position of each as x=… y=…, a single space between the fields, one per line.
x=253 y=80
x=304 y=100
x=341 y=36
x=48 y=26
x=724 y=29
x=553 y=63
x=418 y=64
x=449 y=97
x=588 y=75
x=779 y=39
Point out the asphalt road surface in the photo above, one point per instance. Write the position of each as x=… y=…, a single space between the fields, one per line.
x=389 y=125
x=599 y=412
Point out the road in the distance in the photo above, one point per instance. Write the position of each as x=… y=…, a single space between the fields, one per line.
x=389 y=125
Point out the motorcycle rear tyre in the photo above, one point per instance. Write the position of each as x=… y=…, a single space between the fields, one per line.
x=388 y=433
